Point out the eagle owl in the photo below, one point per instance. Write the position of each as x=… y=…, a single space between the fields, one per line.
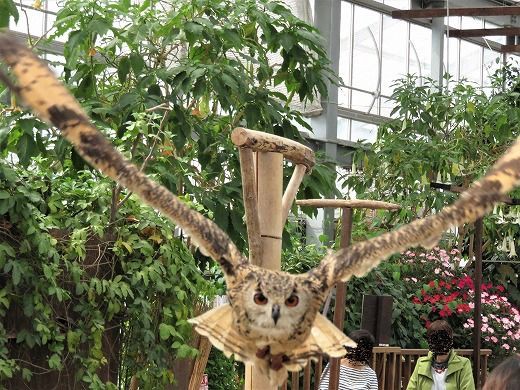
x=272 y=318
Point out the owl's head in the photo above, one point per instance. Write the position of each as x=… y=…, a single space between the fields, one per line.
x=275 y=304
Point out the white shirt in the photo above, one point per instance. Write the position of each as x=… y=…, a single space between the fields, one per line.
x=439 y=380
x=351 y=378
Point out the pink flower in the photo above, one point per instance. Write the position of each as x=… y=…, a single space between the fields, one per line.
x=494 y=339
x=506 y=346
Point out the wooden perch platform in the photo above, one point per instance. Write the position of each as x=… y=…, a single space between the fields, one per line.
x=349 y=203
x=264 y=142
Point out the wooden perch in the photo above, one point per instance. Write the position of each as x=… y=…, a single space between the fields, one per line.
x=349 y=203
x=292 y=190
x=264 y=142
x=249 y=195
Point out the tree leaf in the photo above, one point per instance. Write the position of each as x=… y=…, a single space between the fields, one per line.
x=123 y=69
x=137 y=63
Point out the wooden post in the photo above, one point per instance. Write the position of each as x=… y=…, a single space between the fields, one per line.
x=477 y=314
x=341 y=293
x=269 y=171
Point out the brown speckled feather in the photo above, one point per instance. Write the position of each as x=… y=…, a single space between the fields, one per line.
x=52 y=102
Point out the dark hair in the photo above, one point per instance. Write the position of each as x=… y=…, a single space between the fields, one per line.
x=438 y=325
x=364 y=336
x=505 y=376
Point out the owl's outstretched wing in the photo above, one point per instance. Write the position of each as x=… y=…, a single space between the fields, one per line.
x=52 y=102
x=217 y=325
x=472 y=204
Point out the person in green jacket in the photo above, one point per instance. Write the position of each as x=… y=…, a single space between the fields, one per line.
x=442 y=369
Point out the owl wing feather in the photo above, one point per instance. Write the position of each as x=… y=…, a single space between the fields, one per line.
x=472 y=204
x=217 y=325
x=52 y=102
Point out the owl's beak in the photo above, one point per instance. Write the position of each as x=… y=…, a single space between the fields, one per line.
x=275 y=313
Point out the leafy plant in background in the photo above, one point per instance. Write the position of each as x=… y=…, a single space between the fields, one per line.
x=101 y=286
x=450 y=136
x=8 y=10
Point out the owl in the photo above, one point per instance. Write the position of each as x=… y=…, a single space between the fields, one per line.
x=272 y=318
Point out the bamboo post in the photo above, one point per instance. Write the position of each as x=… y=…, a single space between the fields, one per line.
x=291 y=190
x=249 y=195
x=269 y=171
x=266 y=212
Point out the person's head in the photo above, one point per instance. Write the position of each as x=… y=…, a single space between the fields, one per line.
x=440 y=337
x=363 y=352
x=505 y=376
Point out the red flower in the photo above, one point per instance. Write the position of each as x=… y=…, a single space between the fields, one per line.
x=465 y=281
x=500 y=288
x=416 y=300
x=435 y=298
x=463 y=308
x=432 y=284
x=441 y=283
x=451 y=297
x=445 y=311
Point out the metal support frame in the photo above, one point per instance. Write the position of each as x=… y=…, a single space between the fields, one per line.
x=437 y=54
x=328 y=21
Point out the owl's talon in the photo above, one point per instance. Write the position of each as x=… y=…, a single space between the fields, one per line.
x=277 y=361
x=263 y=352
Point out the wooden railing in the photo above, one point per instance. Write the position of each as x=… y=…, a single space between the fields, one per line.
x=393 y=366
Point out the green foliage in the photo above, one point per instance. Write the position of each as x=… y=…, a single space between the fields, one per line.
x=386 y=279
x=224 y=373
x=7 y=10
x=82 y=262
x=443 y=135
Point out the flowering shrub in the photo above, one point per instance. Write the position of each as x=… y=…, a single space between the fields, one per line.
x=447 y=291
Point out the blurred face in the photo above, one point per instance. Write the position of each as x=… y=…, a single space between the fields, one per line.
x=440 y=342
x=361 y=353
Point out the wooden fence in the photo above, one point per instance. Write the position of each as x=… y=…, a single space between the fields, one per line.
x=393 y=366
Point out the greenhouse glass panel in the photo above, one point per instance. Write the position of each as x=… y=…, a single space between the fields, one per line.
x=367 y=27
x=393 y=66
x=420 y=50
x=345 y=54
x=363 y=131
x=471 y=62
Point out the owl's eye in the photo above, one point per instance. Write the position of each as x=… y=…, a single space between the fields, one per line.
x=292 y=301
x=260 y=299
